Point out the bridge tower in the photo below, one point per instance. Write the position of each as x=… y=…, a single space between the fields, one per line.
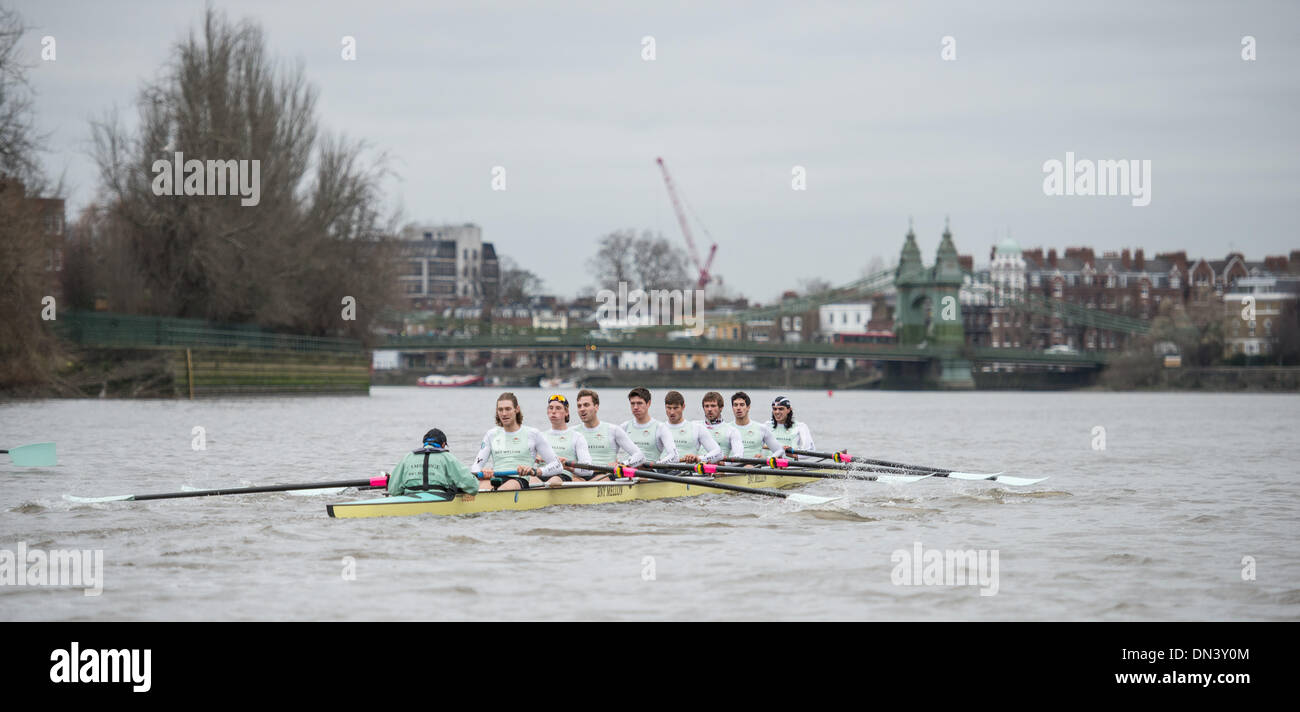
x=929 y=311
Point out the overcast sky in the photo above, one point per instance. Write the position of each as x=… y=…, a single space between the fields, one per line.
x=738 y=95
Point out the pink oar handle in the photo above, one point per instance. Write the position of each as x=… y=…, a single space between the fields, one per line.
x=381 y=481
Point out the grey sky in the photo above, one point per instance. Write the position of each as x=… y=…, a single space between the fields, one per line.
x=739 y=94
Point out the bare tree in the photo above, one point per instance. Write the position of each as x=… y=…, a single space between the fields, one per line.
x=814 y=285
x=28 y=251
x=314 y=238
x=646 y=262
x=517 y=285
x=613 y=261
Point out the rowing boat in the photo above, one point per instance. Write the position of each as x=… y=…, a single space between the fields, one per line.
x=538 y=497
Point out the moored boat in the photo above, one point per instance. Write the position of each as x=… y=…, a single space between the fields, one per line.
x=439 y=381
x=538 y=497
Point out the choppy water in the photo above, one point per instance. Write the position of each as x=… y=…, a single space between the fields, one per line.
x=1153 y=526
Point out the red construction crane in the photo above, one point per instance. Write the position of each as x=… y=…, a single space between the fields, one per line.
x=705 y=277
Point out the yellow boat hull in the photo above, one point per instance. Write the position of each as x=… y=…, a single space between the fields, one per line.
x=538 y=497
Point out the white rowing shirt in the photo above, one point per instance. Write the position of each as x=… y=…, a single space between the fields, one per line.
x=509 y=451
x=799 y=437
x=755 y=436
x=725 y=432
x=605 y=440
x=568 y=444
x=653 y=439
x=691 y=438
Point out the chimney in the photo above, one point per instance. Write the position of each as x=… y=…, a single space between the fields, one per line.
x=1276 y=264
x=1126 y=259
x=1051 y=258
x=1139 y=260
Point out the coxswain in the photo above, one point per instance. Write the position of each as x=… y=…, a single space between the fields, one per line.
x=432 y=468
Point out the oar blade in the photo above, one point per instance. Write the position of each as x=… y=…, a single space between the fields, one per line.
x=316 y=492
x=1017 y=481
x=972 y=475
x=902 y=479
x=809 y=499
x=96 y=500
x=37 y=455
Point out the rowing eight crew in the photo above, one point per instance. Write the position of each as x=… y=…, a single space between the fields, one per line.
x=541 y=457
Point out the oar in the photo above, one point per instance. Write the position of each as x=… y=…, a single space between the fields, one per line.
x=709 y=469
x=845 y=457
x=782 y=463
x=38 y=455
x=373 y=482
x=950 y=474
x=625 y=471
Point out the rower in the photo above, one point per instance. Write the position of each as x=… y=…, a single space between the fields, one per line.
x=512 y=445
x=569 y=444
x=432 y=468
x=649 y=434
x=693 y=440
x=721 y=432
x=604 y=440
x=791 y=434
x=753 y=434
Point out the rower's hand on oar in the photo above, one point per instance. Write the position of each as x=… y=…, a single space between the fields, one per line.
x=525 y=471
x=691 y=459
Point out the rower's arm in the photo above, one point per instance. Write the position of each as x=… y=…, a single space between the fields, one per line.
x=805 y=438
x=735 y=443
x=484 y=453
x=712 y=453
x=667 y=446
x=624 y=443
x=460 y=476
x=581 y=453
x=542 y=449
x=770 y=442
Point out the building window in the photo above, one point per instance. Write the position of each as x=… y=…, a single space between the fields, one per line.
x=798 y=323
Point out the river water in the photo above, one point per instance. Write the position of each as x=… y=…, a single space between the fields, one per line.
x=1166 y=506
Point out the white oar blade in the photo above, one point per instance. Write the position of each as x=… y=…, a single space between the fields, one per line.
x=972 y=475
x=316 y=492
x=94 y=500
x=1017 y=481
x=809 y=499
x=902 y=479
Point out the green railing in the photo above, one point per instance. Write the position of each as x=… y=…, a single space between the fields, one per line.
x=129 y=330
